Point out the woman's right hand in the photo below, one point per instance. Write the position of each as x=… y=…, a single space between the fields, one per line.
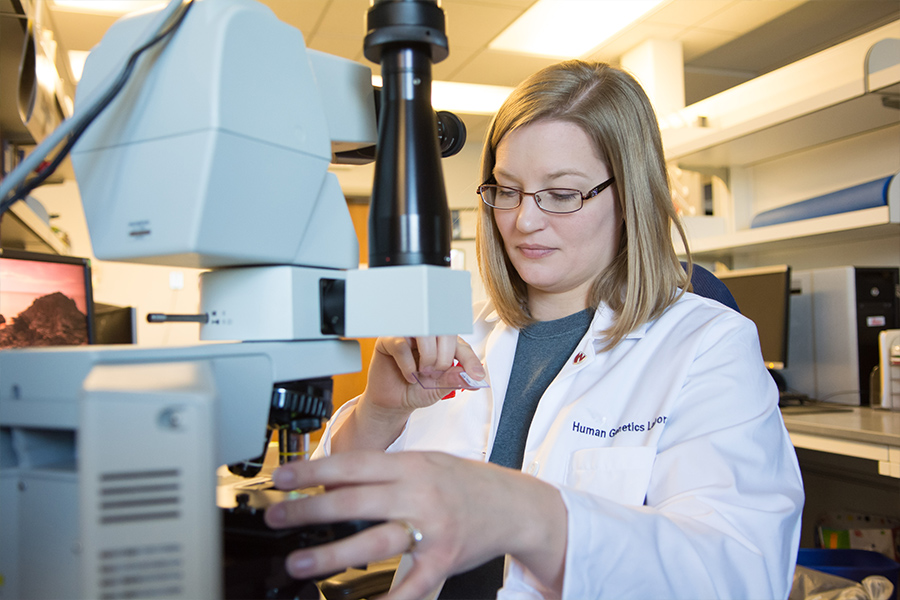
x=466 y=511
x=391 y=385
x=392 y=392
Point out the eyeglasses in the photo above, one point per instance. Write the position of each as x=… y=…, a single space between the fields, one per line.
x=551 y=200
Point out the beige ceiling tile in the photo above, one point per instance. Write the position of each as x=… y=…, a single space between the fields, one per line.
x=492 y=67
x=344 y=17
x=302 y=15
x=747 y=15
x=686 y=13
x=447 y=68
x=475 y=24
x=344 y=46
x=521 y=4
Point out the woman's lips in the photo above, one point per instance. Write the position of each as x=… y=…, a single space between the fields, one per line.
x=531 y=251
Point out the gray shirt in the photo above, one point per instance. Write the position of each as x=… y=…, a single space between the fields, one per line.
x=541 y=351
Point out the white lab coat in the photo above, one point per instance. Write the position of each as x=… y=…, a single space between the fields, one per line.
x=669 y=451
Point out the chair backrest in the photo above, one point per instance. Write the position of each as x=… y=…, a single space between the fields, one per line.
x=704 y=283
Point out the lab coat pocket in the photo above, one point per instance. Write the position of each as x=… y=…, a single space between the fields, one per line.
x=621 y=474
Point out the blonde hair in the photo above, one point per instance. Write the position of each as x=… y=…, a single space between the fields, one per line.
x=612 y=108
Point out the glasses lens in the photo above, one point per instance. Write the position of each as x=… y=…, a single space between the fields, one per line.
x=500 y=197
x=559 y=200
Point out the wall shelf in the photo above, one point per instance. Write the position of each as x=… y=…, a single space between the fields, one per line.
x=800 y=126
x=822 y=98
x=823 y=101
x=870 y=223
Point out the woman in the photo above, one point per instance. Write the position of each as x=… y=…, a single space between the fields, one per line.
x=638 y=445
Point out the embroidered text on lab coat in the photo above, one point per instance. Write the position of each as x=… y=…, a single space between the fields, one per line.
x=630 y=427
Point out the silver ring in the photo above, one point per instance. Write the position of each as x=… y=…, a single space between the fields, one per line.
x=415 y=536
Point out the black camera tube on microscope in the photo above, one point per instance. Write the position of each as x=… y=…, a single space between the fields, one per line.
x=409 y=219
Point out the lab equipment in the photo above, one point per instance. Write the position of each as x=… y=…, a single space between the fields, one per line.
x=453 y=378
x=214 y=154
x=836 y=319
x=889 y=369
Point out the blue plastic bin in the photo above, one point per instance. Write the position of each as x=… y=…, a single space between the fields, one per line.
x=850 y=564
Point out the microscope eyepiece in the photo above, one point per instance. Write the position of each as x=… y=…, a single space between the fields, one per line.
x=451 y=133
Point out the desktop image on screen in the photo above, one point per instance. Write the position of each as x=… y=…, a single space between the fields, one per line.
x=45 y=300
x=763 y=295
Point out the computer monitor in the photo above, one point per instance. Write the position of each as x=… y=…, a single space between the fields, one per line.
x=763 y=295
x=115 y=324
x=45 y=300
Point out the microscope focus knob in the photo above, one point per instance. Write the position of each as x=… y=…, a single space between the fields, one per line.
x=301 y=405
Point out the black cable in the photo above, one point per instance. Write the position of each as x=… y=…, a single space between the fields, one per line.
x=28 y=185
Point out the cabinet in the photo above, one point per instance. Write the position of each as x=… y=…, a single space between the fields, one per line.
x=850 y=462
x=826 y=122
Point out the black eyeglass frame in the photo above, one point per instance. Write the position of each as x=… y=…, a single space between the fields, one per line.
x=584 y=196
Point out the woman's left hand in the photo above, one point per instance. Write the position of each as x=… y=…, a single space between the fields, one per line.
x=467 y=512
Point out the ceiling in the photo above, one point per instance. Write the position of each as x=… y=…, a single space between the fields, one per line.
x=725 y=42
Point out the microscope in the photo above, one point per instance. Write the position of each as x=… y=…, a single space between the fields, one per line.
x=214 y=155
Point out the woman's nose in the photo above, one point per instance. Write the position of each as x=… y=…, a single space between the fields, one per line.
x=530 y=216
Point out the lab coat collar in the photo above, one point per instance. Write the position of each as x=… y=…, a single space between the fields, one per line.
x=603 y=319
x=486 y=312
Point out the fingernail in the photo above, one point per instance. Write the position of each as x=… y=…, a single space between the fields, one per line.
x=284 y=478
x=299 y=565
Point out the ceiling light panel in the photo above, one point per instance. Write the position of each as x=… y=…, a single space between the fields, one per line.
x=106 y=7
x=570 y=28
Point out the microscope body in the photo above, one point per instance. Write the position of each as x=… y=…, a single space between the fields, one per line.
x=109 y=458
x=215 y=155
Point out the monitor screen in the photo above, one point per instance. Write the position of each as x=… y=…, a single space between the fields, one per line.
x=45 y=300
x=763 y=296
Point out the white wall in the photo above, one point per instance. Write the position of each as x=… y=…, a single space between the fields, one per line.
x=462 y=173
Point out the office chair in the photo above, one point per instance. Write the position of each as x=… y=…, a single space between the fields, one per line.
x=705 y=284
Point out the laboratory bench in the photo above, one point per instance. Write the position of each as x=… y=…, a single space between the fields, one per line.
x=849 y=459
x=857 y=431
